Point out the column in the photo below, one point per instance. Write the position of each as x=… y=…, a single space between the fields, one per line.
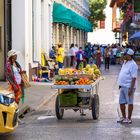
x=57 y=34
x=67 y=37
x=77 y=34
x=22 y=31
x=54 y=34
x=72 y=40
x=80 y=44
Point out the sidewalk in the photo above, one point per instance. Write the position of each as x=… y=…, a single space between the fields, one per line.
x=35 y=96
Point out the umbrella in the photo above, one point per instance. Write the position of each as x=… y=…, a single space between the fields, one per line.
x=135 y=36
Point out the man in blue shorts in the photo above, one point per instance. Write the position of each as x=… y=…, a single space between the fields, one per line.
x=127 y=85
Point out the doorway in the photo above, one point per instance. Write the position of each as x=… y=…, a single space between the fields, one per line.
x=2 y=39
x=5 y=34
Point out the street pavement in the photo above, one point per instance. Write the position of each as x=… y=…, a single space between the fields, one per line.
x=43 y=125
x=35 y=96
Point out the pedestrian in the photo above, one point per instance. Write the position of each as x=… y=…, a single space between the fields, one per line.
x=60 y=55
x=72 y=55
x=114 y=50
x=87 y=54
x=52 y=53
x=98 y=57
x=127 y=85
x=107 y=54
x=75 y=51
x=79 y=57
x=14 y=77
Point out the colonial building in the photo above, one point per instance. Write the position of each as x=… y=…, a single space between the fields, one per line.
x=70 y=24
x=26 y=26
x=33 y=26
x=129 y=21
x=116 y=17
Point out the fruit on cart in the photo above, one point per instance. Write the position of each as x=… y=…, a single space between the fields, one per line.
x=58 y=78
x=94 y=66
x=97 y=72
x=61 y=83
x=65 y=79
x=61 y=72
x=83 y=81
x=87 y=67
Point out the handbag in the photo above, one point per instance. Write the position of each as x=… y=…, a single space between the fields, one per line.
x=25 y=79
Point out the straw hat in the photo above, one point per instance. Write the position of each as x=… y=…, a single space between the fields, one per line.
x=12 y=53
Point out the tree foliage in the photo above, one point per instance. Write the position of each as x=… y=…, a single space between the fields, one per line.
x=97 y=11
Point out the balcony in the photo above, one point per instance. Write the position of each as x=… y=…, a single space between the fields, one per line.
x=116 y=25
x=118 y=2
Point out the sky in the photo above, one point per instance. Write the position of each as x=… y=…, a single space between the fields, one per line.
x=103 y=36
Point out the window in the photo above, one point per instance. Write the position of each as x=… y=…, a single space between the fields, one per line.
x=102 y=24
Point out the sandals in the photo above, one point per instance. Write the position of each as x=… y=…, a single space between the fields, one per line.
x=124 y=121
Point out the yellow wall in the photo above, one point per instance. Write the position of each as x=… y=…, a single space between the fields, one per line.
x=2 y=39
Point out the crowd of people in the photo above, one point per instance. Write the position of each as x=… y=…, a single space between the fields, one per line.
x=98 y=54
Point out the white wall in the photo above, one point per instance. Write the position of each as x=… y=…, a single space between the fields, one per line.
x=103 y=36
x=22 y=31
x=18 y=29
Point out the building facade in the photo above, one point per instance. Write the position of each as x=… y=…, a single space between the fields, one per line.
x=116 y=18
x=28 y=26
x=130 y=21
x=67 y=31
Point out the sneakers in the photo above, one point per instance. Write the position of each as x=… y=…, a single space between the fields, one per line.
x=124 y=121
x=129 y=121
x=121 y=119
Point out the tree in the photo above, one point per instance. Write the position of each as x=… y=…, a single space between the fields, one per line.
x=97 y=11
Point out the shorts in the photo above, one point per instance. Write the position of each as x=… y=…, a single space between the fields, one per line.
x=124 y=98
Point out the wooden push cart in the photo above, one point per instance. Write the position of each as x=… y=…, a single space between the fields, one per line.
x=88 y=95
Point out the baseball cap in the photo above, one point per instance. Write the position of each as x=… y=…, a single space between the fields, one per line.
x=129 y=52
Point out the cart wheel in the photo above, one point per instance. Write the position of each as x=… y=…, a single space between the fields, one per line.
x=59 y=112
x=95 y=107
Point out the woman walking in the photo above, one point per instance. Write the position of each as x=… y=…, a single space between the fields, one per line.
x=98 y=57
x=107 y=58
x=72 y=55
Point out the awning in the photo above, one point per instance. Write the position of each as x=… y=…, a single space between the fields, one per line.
x=61 y=14
x=135 y=36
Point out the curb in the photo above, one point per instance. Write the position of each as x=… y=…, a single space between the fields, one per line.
x=27 y=108
x=45 y=100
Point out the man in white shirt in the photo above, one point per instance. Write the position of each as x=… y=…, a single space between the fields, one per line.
x=127 y=85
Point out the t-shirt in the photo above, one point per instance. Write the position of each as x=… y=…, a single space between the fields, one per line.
x=60 y=55
x=128 y=71
x=75 y=50
x=71 y=52
x=17 y=75
x=114 y=51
